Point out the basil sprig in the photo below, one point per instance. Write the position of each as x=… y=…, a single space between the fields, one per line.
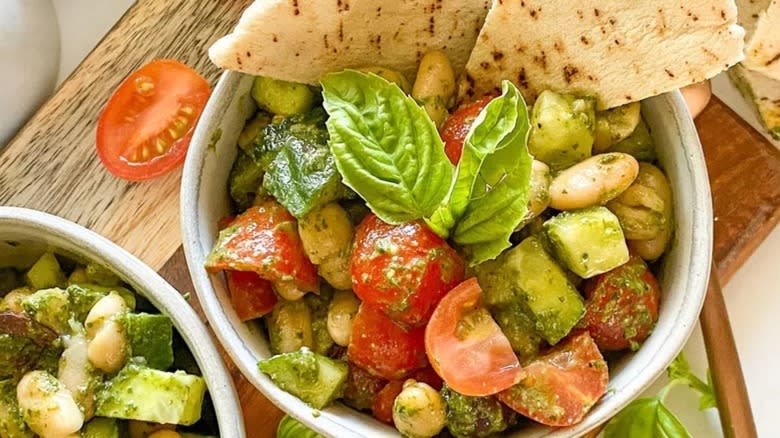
x=388 y=151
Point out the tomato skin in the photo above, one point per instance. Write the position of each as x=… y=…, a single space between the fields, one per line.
x=252 y=296
x=561 y=386
x=403 y=270
x=383 y=348
x=466 y=346
x=383 y=403
x=621 y=306
x=457 y=126
x=157 y=106
x=264 y=239
x=362 y=387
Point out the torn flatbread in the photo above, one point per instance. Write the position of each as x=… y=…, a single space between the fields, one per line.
x=609 y=49
x=762 y=49
x=300 y=40
x=763 y=93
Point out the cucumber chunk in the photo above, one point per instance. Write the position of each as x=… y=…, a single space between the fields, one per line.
x=11 y=422
x=49 y=307
x=528 y=277
x=245 y=180
x=282 y=97
x=589 y=241
x=101 y=428
x=45 y=273
x=315 y=379
x=88 y=291
x=101 y=275
x=562 y=129
x=150 y=336
x=519 y=328
x=639 y=144
x=614 y=125
x=145 y=394
x=476 y=417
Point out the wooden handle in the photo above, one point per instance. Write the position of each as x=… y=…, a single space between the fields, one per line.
x=736 y=417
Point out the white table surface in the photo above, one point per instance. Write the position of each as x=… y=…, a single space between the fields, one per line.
x=752 y=295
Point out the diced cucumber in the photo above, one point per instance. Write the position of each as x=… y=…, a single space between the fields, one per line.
x=476 y=417
x=589 y=241
x=289 y=427
x=45 y=273
x=639 y=144
x=245 y=180
x=150 y=336
x=11 y=422
x=253 y=129
x=96 y=289
x=289 y=326
x=79 y=275
x=145 y=394
x=101 y=428
x=282 y=97
x=615 y=124
x=315 y=379
x=562 y=129
x=529 y=277
x=50 y=307
x=519 y=328
x=101 y=275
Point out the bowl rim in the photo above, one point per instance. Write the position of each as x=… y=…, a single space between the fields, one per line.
x=698 y=261
x=63 y=234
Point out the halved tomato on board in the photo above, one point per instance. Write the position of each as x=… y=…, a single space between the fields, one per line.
x=147 y=124
x=252 y=296
x=466 y=346
x=264 y=239
x=561 y=386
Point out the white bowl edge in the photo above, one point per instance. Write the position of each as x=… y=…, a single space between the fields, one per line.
x=685 y=269
x=25 y=224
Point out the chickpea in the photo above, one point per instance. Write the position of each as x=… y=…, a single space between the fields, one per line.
x=12 y=302
x=47 y=406
x=341 y=312
x=594 y=181
x=327 y=235
x=418 y=411
x=434 y=86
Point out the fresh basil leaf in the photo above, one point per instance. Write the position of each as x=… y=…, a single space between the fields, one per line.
x=680 y=370
x=503 y=123
x=289 y=427
x=300 y=171
x=385 y=146
x=645 y=418
x=490 y=194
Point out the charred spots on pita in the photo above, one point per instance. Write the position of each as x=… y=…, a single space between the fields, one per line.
x=580 y=14
x=584 y=40
x=341 y=30
x=628 y=97
x=485 y=65
x=596 y=12
x=296 y=10
x=248 y=54
x=591 y=78
x=541 y=59
x=379 y=11
x=569 y=71
x=275 y=38
x=773 y=60
x=238 y=60
x=669 y=73
x=522 y=4
x=722 y=14
x=497 y=55
x=533 y=14
x=325 y=40
x=612 y=20
x=522 y=80
x=432 y=25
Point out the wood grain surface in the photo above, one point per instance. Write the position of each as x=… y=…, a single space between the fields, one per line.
x=51 y=164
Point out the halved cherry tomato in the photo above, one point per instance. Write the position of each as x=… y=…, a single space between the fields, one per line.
x=252 y=296
x=264 y=239
x=383 y=403
x=621 y=306
x=457 y=126
x=382 y=347
x=362 y=387
x=466 y=346
x=403 y=270
x=561 y=386
x=147 y=124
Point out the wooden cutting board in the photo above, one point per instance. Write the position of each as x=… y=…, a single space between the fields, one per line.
x=51 y=164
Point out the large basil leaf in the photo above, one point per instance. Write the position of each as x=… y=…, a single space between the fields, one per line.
x=645 y=418
x=385 y=146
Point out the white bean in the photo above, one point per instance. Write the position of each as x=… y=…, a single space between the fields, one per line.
x=341 y=312
x=335 y=270
x=105 y=309
x=538 y=194
x=654 y=179
x=418 y=411
x=107 y=351
x=12 y=302
x=47 y=406
x=288 y=290
x=594 y=181
x=435 y=85
x=325 y=232
x=76 y=373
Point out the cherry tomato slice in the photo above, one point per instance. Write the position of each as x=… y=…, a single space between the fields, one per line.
x=146 y=126
x=457 y=126
x=383 y=403
x=561 y=386
x=382 y=347
x=403 y=270
x=264 y=239
x=466 y=346
x=621 y=306
x=252 y=296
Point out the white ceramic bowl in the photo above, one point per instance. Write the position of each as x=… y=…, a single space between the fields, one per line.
x=204 y=200
x=35 y=228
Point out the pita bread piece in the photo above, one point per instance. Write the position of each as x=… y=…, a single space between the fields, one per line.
x=763 y=92
x=762 y=50
x=616 y=52
x=300 y=40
